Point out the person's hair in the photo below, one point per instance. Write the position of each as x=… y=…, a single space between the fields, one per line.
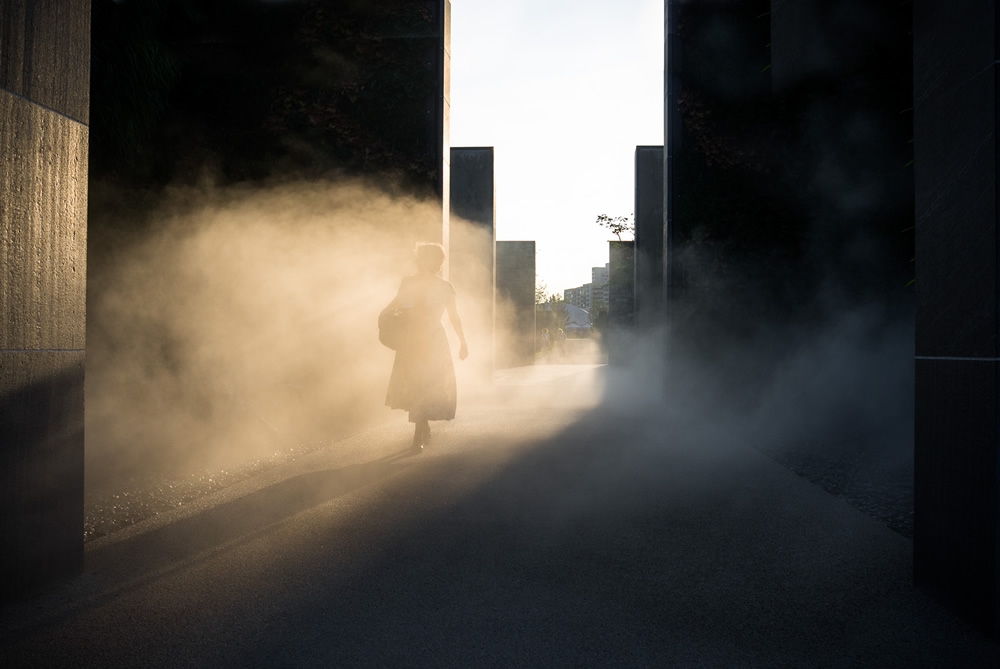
x=430 y=256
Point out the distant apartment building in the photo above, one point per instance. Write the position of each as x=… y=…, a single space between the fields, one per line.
x=579 y=297
x=591 y=296
x=599 y=282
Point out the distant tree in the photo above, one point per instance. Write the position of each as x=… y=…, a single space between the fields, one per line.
x=551 y=313
x=559 y=310
x=617 y=224
x=541 y=292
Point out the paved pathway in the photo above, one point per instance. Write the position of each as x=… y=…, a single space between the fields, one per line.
x=539 y=529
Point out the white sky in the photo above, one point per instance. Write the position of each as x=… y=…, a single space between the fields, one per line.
x=564 y=90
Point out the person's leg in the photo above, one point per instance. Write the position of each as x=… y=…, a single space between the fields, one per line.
x=421 y=433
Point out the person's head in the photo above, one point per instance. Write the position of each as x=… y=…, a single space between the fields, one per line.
x=430 y=257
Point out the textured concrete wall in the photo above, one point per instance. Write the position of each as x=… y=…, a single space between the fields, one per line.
x=672 y=134
x=516 y=304
x=957 y=492
x=473 y=247
x=808 y=39
x=473 y=191
x=44 y=92
x=439 y=107
x=442 y=118
x=45 y=53
x=800 y=43
x=649 y=225
x=424 y=37
x=621 y=300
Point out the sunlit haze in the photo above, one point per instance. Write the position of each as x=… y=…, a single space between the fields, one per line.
x=564 y=90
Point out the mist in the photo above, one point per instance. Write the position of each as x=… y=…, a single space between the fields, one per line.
x=232 y=324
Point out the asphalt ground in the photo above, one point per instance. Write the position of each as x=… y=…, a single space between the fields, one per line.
x=560 y=520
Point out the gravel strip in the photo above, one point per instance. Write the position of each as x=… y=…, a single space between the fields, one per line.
x=112 y=512
x=881 y=489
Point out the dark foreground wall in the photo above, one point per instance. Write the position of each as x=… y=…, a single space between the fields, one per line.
x=44 y=102
x=956 y=494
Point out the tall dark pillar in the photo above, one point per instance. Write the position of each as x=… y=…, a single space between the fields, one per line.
x=412 y=40
x=473 y=245
x=648 y=236
x=442 y=118
x=621 y=301
x=515 y=304
x=806 y=42
x=671 y=144
x=434 y=32
x=44 y=116
x=957 y=463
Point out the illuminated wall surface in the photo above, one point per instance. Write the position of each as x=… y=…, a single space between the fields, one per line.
x=516 y=302
x=473 y=249
x=44 y=100
x=621 y=298
x=648 y=235
x=956 y=495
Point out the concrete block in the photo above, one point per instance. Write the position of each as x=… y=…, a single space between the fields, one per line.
x=473 y=247
x=956 y=199
x=649 y=224
x=957 y=456
x=808 y=38
x=516 y=303
x=41 y=476
x=44 y=93
x=621 y=300
x=45 y=53
x=43 y=227
x=415 y=36
x=473 y=188
x=956 y=489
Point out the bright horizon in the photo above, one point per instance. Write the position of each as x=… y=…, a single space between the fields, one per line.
x=564 y=92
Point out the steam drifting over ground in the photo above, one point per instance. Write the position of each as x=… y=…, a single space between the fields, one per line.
x=242 y=322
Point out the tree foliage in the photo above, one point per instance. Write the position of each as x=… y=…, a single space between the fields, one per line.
x=541 y=292
x=617 y=224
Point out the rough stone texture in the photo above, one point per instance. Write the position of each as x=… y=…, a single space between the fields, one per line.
x=621 y=300
x=41 y=471
x=648 y=235
x=45 y=53
x=44 y=92
x=956 y=497
x=473 y=247
x=516 y=303
x=43 y=228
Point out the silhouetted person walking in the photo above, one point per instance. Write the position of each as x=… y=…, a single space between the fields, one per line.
x=423 y=376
